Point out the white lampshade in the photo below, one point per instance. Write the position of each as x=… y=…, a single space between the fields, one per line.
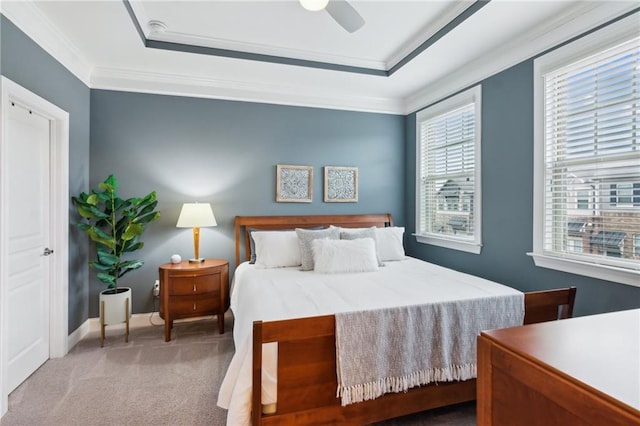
x=314 y=5
x=196 y=215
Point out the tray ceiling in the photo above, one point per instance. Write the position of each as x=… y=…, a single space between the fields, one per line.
x=407 y=55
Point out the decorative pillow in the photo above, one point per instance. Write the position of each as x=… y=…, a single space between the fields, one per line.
x=358 y=233
x=276 y=249
x=390 y=246
x=305 y=237
x=252 y=244
x=336 y=256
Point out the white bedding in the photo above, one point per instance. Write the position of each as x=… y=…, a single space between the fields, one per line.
x=257 y=294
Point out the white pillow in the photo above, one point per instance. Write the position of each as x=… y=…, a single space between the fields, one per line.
x=305 y=237
x=276 y=249
x=390 y=245
x=335 y=256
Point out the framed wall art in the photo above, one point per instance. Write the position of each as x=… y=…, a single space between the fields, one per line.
x=340 y=184
x=294 y=184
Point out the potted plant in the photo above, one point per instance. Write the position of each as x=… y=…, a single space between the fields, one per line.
x=115 y=225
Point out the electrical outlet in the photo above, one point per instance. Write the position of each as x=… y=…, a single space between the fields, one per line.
x=156 y=288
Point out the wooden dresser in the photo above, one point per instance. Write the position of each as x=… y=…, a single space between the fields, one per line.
x=193 y=290
x=580 y=371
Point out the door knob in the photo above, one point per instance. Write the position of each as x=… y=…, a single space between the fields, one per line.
x=47 y=252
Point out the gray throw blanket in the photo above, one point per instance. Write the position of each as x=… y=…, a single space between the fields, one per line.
x=394 y=349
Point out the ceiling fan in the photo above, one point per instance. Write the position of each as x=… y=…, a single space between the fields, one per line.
x=340 y=10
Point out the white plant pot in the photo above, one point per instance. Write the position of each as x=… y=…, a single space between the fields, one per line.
x=116 y=306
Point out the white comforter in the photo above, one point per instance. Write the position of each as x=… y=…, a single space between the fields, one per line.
x=270 y=294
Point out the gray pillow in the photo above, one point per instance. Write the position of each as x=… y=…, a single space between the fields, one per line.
x=305 y=237
x=252 y=245
x=356 y=234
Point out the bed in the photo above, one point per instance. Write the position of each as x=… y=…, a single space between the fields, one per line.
x=284 y=369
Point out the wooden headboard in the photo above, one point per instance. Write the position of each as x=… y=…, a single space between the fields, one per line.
x=292 y=222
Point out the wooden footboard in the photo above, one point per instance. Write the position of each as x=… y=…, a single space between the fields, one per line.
x=307 y=380
x=307 y=383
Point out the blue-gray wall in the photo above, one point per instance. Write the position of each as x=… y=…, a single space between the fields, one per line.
x=225 y=153
x=507 y=202
x=24 y=62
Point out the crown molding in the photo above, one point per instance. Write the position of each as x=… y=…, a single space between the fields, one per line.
x=202 y=87
x=429 y=31
x=30 y=19
x=264 y=49
x=553 y=33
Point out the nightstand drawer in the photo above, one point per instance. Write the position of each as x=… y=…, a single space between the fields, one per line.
x=196 y=305
x=184 y=284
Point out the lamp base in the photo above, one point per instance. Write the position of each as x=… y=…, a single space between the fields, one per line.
x=198 y=260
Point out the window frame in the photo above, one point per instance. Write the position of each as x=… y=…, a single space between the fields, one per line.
x=588 y=45
x=472 y=95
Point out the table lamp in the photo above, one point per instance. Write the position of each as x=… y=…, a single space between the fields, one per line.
x=196 y=216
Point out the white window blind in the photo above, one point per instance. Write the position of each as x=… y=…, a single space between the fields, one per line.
x=448 y=180
x=592 y=157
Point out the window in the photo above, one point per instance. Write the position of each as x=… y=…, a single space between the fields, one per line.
x=624 y=194
x=583 y=200
x=574 y=245
x=587 y=154
x=448 y=186
x=636 y=245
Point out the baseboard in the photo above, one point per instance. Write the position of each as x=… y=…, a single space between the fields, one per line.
x=77 y=335
x=137 y=320
x=93 y=324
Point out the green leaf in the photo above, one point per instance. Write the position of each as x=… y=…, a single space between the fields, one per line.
x=100 y=266
x=100 y=233
x=148 y=218
x=129 y=265
x=110 y=185
x=109 y=242
x=93 y=199
x=107 y=279
x=121 y=204
x=148 y=208
x=107 y=258
x=102 y=196
x=132 y=231
x=132 y=246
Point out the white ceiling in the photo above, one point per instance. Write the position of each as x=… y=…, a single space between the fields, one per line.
x=98 y=41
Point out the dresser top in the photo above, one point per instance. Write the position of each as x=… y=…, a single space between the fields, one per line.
x=601 y=351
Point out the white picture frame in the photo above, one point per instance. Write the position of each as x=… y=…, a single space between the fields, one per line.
x=294 y=184
x=340 y=184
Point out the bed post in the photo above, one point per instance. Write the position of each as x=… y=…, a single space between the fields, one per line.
x=256 y=388
x=237 y=230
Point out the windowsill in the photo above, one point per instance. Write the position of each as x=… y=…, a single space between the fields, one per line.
x=467 y=246
x=603 y=272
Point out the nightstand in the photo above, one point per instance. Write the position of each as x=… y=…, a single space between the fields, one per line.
x=193 y=290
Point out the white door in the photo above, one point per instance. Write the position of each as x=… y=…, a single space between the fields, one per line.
x=28 y=269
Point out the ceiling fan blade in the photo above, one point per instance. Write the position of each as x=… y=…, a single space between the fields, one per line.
x=345 y=15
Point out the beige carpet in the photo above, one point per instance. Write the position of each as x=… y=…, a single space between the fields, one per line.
x=150 y=382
